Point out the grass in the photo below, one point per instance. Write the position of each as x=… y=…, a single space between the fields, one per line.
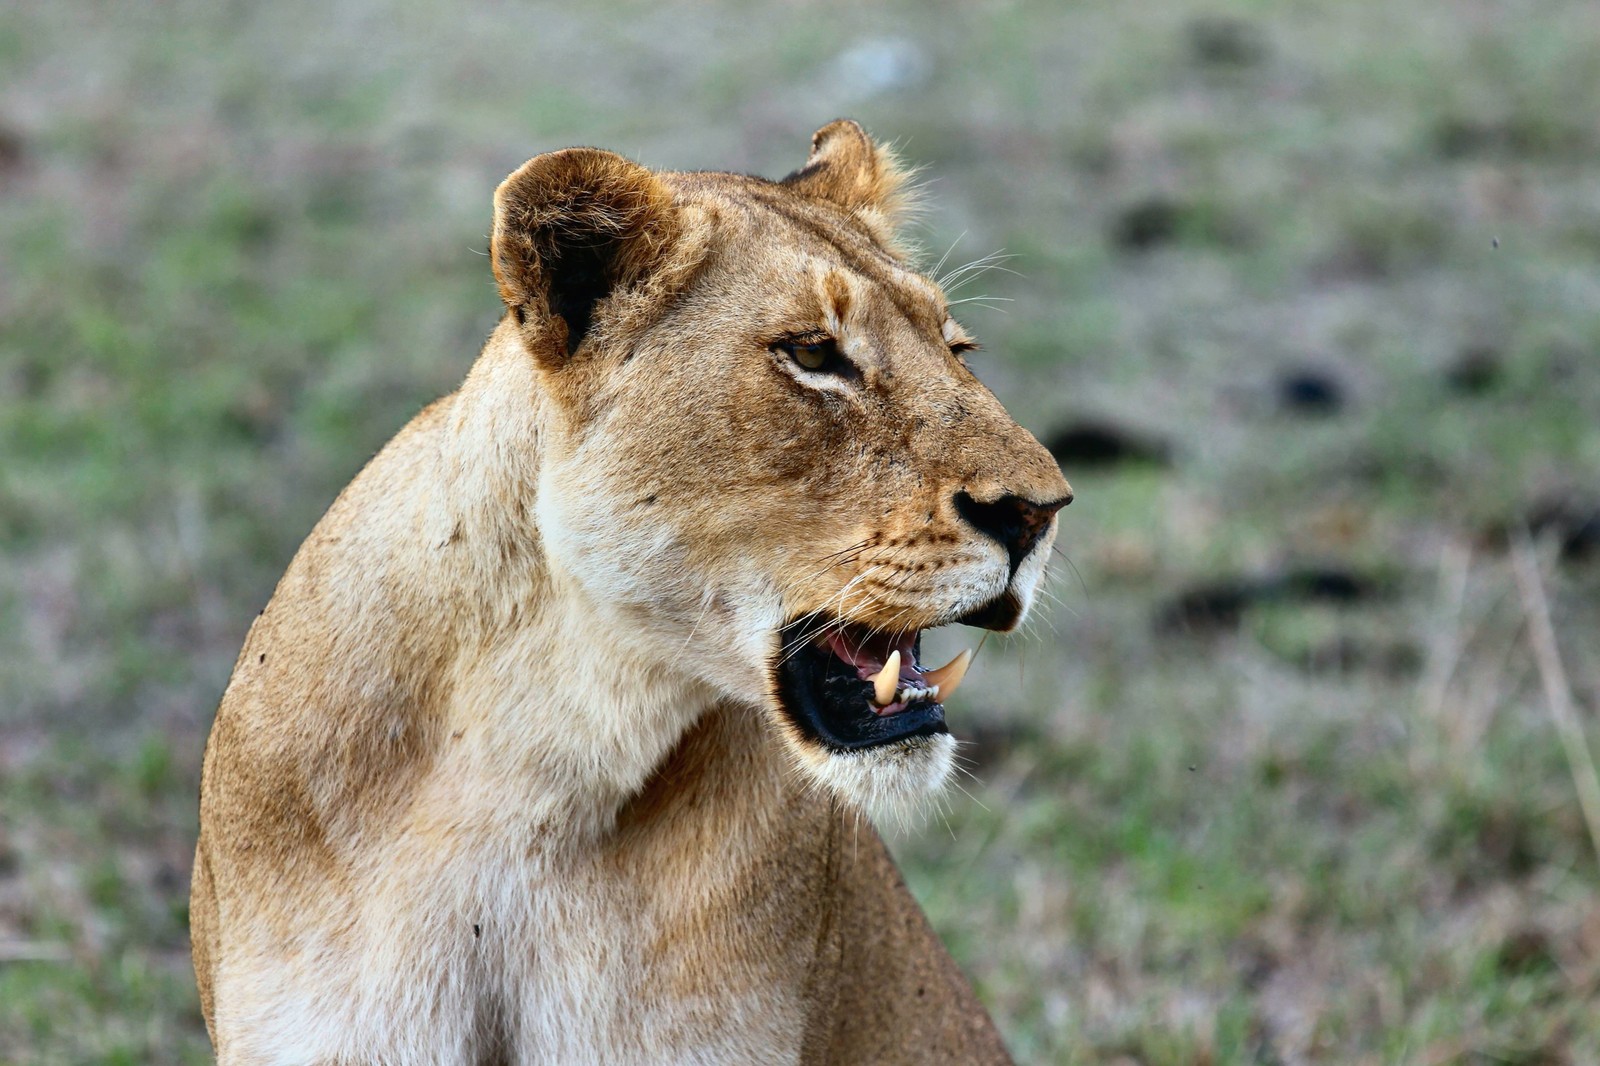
x=1220 y=811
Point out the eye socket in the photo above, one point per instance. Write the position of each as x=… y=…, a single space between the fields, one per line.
x=820 y=355
x=960 y=348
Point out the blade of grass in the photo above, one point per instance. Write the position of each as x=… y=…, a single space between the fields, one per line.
x=1557 y=692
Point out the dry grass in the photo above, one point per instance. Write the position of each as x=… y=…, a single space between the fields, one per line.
x=1557 y=692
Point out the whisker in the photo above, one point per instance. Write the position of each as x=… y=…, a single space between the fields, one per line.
x=705 y=605
x=829 y=618
x=984 y=302
x=854 y=555
x=805 y=638
x=960 y=275
x=970 y=796
x=826 y=629
x=964 y=273
x=934 y=273
x=1076 y=573
x=844 y=551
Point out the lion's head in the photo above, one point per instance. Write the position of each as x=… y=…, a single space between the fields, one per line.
x=762 y=457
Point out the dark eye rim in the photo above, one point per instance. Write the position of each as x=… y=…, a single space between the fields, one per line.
x=834 y=363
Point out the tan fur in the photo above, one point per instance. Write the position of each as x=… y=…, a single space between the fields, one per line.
x=498 y=777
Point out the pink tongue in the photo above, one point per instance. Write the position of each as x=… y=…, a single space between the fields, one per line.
x=869 y=655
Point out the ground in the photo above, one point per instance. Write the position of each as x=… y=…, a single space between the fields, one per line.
x=1305 y=297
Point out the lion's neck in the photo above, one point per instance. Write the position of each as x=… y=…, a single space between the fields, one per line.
x=554 y=714
x=550 y=724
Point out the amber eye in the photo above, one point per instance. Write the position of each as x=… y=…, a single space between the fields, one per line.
x=812 y=356
x=818 y=355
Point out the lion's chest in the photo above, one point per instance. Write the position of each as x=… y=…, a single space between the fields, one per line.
x=486 y=955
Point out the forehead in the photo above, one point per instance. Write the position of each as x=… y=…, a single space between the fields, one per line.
x=794 y=245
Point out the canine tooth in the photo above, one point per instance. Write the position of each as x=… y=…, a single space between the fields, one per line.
x=885 y=681
x=945 y=680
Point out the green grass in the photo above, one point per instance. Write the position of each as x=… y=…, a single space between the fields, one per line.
x=239 y=246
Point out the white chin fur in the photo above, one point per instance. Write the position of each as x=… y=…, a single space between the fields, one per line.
x=896 y=783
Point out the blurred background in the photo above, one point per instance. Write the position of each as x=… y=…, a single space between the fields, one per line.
x=1305 y=297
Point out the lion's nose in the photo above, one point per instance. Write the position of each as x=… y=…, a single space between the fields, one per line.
x=1017 y=523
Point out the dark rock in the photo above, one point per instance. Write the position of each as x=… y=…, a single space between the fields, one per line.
x=13 y=150
x=1220 y=41
x=1308 y=391
x=1092 y=443
x=1157 y=220
x=1575 y=524
x=1476 y=371
x=1219 y=605
x=1209 y=608
x=1146 y=224
x=1325 y=584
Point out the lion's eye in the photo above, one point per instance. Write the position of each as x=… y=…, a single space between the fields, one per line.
x=820 y=356
x=812 y=356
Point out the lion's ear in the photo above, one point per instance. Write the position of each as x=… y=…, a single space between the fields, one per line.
x=570 y=228
x=847 y=168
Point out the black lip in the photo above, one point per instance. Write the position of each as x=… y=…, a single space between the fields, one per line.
x=830 y=705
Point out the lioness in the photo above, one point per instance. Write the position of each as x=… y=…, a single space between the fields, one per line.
x=549 y=745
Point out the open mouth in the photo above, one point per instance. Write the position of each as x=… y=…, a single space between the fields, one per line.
x=849 y=688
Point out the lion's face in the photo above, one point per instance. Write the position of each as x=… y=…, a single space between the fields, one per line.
x=764 y=455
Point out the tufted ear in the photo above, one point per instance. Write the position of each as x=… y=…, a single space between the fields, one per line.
x=850 y=170
x=570 y=228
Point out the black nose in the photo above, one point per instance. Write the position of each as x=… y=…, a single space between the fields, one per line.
x=1015 y=522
